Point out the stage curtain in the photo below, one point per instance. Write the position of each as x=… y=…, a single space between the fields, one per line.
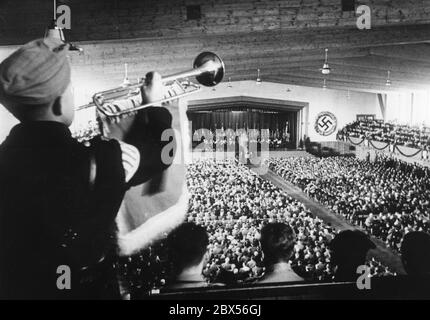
x=276 y=122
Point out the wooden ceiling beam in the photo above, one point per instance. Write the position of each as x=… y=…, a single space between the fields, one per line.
x=353 y=79
x=413 y=52
x=308 y=82
x=376 y=74
x=409 y=73
x=384 y=63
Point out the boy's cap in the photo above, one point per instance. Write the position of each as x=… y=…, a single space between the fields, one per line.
x=36 y=73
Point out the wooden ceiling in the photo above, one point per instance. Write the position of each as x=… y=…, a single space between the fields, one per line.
x=359 y=60
x=285 y=39
x=367 y=70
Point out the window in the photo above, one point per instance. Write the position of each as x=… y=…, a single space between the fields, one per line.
x=194 y=12
x=348 y=5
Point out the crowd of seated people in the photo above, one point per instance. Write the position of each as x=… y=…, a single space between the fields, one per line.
x=378 y=130
x=233 y=204
x=87 y=132
x=387 y=197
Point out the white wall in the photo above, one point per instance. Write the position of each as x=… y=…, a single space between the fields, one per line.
x=345 y=107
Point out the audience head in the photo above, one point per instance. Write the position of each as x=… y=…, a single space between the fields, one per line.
x=349 y=250
x=415 y=251
x=187 y=246
x=277 y=243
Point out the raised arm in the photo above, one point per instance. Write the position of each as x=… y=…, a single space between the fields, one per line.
x=141 y=145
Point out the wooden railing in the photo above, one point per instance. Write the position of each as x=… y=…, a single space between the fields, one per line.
x=400 y=287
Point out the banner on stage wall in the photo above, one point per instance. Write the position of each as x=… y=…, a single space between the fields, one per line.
x=325 y=123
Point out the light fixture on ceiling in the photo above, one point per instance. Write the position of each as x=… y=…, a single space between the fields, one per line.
x=325 y=70
x=229 y=83
x=324 y=84
x=258 y=81
x=126 y=81
x=54 y=31
x=388 y=82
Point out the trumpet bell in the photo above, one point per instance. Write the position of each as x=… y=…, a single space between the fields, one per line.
x=215 y=69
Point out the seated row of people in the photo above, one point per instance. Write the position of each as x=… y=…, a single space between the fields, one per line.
x=378 y=130
x=188 y=253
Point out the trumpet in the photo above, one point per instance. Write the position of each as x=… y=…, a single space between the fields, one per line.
x=208 y=69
